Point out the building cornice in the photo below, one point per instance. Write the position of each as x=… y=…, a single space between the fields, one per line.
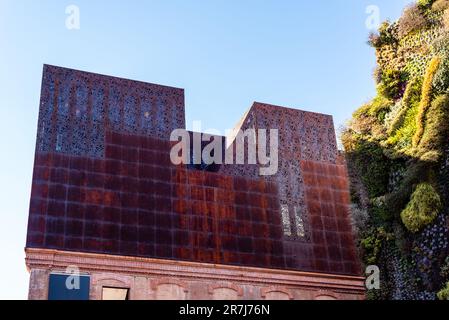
x=57 y=260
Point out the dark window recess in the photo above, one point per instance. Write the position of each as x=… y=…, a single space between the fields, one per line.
x=68 y=287
x=203 y=166
x=214 y=167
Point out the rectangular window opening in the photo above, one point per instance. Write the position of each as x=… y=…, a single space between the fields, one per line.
x=111 y=293
x=63 y=286
x=300 y=231
x=286 y=226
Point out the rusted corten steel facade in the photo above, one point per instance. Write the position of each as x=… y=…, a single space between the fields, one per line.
x=103 y=183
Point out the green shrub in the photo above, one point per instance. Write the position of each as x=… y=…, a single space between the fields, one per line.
x=426 y=98
x=445 y=269
x=412 y=94
x=379 y=107
x=440 y=47
x=374 y=40
x=387 y=34
x=441 y=79
x=440 y=5
x=368 y=120
x=371 y=247
x=402 y=138
x=380 y=213
x=443 y=294
x=371 y=165
x=422 y=209
x=445 y=20
x=391 y=83
x=374 y=107
x=403 y=126
x=410 y=99
x=412 y=19
x=416 y=65
x=372 y=243
x=377 y=74
x=415 y=173
x=425 y=4
x=436 y=130
x=366 y=126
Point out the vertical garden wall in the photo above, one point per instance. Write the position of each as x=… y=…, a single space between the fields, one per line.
x=397 y=149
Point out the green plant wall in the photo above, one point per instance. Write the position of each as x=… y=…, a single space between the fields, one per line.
x=397 y=149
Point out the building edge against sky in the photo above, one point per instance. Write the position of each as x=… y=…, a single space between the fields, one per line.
x=107 y=200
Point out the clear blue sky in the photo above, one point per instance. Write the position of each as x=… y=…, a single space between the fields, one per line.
x=226 y=54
